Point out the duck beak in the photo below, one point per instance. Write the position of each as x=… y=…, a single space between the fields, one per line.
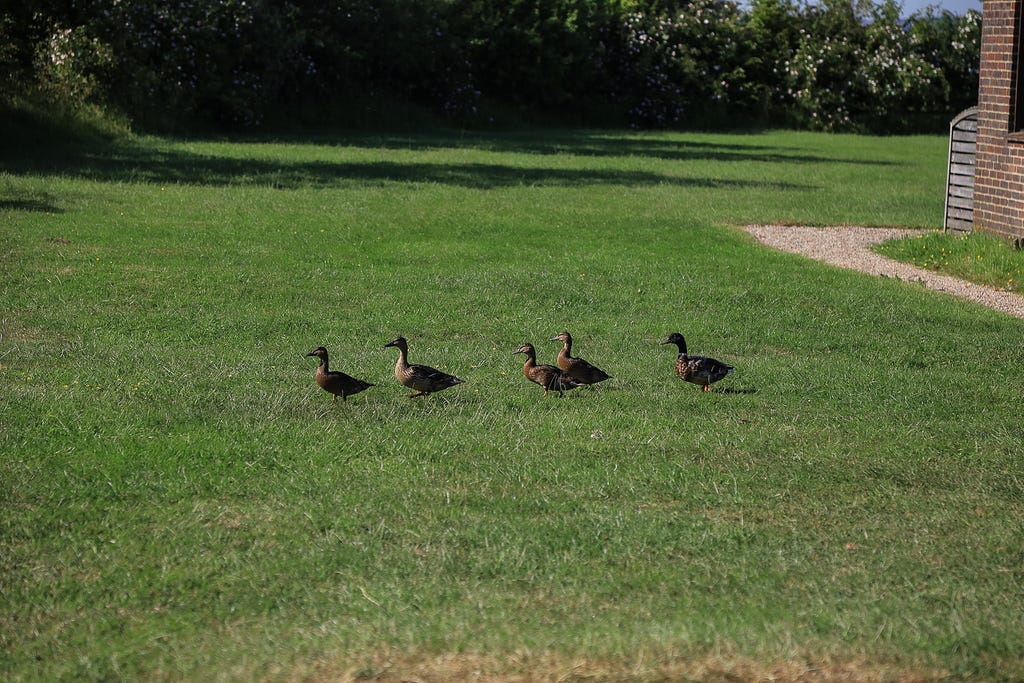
x=391 y=343
x=311 y=353
x=665 y=342
x=555 y=338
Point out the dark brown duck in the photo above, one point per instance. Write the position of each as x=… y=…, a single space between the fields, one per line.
x=422 y=379
x=577 y=368
x=547 y=376
x=332 y=381
x=699 y=370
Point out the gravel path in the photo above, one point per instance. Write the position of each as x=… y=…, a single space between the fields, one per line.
x=848 y=247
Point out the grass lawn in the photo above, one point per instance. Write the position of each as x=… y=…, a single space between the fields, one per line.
x=986 y=259
x=181 y=501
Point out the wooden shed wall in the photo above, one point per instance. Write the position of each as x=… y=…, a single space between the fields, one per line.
x=963 y=143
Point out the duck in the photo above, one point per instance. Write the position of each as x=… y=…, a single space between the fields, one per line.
x=547 y=376
x=334 y=382
x=577 y=368
x=423 y=379
x=697 y=369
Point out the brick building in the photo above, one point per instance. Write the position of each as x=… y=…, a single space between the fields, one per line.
x=999 y=176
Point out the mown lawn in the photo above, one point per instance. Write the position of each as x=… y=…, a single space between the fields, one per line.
x=180 y=501
x=985 y=259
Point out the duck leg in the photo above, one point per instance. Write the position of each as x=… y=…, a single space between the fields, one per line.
x=418 y=393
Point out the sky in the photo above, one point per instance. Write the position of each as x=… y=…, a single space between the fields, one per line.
x=954 y=6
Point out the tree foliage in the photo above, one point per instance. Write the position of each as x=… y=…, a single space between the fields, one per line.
x=835 y=65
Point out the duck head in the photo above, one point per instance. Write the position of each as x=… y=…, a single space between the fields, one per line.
x=527 y=349
x=398 y=342
x=678 y=340
x=320 y=352
x=563 y=337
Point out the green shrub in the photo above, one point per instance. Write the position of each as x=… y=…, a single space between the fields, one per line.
x=220 y=62
x=69 y=65
x=838 y=65
x=865 y=76
x=685 y=62
x=951 y=44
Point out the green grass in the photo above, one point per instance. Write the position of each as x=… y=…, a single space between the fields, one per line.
x=981 y=258
x=180 y=501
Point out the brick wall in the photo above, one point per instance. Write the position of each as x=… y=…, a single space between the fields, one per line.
x=999 y=177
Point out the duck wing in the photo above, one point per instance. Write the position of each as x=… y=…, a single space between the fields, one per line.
x=426 y=378
x=541 y=374
x=338 y=382
x=552 y=378
x=703 y=370
x=564 y=382
x=582 y=371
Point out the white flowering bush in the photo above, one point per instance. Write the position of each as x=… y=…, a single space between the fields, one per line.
x=687 y=62
x=69 y=65
x=222 y=61
x=869 y=79
x=837 y=65
x=951 y=44
x=901 y=85
x=820 y=80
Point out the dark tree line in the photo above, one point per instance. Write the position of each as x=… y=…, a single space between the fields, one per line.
x=165 y=64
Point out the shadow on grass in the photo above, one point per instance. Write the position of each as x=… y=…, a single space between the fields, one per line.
x=29 y=205
x=581 y=143
x=741 y=390
x=140 y=163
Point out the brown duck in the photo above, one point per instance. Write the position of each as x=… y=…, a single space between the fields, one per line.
x=577 y=368
x=337 y=383
x=697 y=369
x=548 y=376
x=422 y=379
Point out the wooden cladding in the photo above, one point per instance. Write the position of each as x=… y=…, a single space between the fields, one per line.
x=963 y=147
